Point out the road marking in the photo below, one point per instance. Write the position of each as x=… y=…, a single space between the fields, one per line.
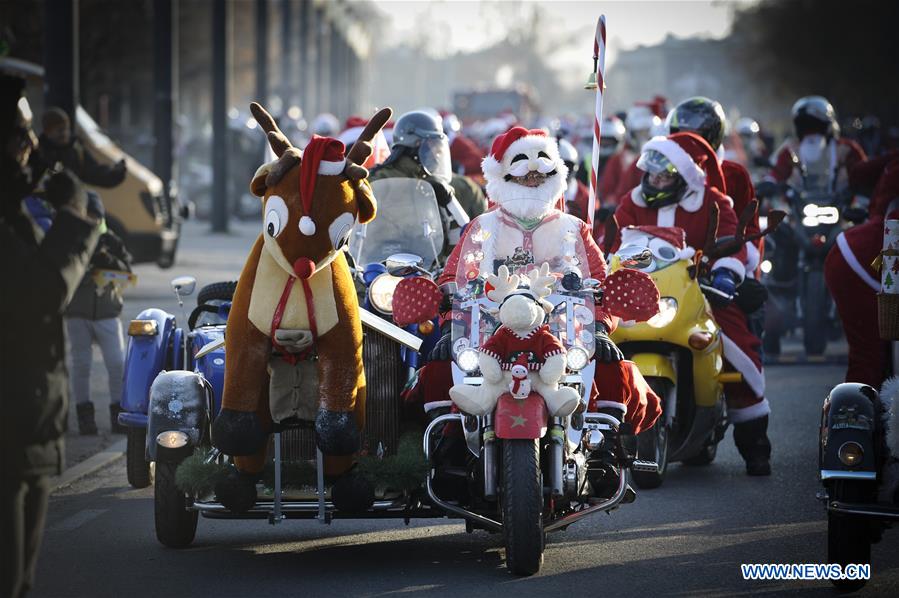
x=77 y=520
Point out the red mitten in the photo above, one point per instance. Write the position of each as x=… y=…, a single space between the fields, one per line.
x=415 y=300
x=630 y=295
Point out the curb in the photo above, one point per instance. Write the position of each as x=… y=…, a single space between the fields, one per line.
x=89 y=466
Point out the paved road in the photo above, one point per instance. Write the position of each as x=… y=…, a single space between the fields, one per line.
x=687 y=538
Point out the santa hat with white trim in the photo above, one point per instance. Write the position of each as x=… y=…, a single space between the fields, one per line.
x=321 y=156
x=673 y=235
x=693 y=157
x=497 y=166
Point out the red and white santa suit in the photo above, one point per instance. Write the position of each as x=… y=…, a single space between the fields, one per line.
x=838 y=157
x=507 y=347
x=738 y=186
x=526 y=218
x=696 y=162
x=466 y=154
x=853 y=282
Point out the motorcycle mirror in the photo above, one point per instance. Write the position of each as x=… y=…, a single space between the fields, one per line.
x=400 y=264
x=184 y=285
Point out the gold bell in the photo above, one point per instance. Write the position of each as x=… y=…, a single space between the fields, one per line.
x=591 y=82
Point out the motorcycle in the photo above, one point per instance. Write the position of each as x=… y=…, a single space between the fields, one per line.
x=679 y=351
x=857 y=468
x=793 y=271
x=403 y=242
x=529 y=473
x=156 y=344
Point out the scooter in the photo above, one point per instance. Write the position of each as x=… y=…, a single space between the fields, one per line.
x=156 y=343
x=679 y=351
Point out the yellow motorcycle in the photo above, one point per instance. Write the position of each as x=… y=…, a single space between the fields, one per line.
x=679 y=351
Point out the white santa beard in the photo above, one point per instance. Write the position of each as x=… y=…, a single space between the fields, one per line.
x=550 y=239
x=526 y=202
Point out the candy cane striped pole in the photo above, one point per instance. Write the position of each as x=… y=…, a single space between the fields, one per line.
x=599 y=65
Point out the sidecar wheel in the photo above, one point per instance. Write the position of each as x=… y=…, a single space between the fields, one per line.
x=705 y=456
x=136 y=464
x=522 y=506
x=175 y=525
x=652 y=444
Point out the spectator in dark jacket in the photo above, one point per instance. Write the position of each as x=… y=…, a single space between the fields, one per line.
x=59 y=146
x=40 y=274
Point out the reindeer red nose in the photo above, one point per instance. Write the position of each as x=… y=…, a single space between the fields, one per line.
x=304 y=267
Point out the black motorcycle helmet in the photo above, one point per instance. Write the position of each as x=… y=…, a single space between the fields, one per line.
x=699 y=115
x=662 y=185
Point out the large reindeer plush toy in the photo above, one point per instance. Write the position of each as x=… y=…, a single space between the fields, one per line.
x=296 y=278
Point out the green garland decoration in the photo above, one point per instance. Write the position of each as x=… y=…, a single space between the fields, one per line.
x=404 y=471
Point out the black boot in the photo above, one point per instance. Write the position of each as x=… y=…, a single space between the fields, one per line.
x=114 y=410
x=86 y=424
x=751 y=438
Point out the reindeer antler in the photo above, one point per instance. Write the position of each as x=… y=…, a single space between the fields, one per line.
x=502 y=284
x=362 y=147
x=541 y=281
x=288 y=156
x=611 y=234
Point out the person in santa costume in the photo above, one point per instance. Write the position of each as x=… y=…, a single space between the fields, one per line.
x=817 y=157
x=621 y=173
x=682 y=180
x=851 y=278
x=526 y=177
x=706 y=118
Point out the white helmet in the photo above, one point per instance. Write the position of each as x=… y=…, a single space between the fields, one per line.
x=640 y=125
x=567 y=152
x=746 y=127
x=326 y=125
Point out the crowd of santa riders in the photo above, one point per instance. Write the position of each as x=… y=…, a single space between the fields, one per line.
x=667 y=165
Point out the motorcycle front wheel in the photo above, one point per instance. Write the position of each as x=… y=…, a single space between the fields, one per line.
x=522 y=506
x=175 y=525
x=849 y=538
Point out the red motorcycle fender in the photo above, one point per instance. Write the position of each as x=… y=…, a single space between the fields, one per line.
x=520 y=418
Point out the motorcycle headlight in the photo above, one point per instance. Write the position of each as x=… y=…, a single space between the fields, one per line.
x=468 y=359
x=173 y=439
x=380 y=293
x=667 y=311
x=576 y=359
x=767 y=266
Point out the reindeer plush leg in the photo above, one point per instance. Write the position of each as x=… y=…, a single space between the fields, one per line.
x=341 y=415
x=238 y=429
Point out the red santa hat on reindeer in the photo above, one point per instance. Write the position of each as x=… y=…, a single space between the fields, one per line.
x=525 y=174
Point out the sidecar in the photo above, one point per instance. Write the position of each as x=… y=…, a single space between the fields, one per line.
x=851 y=458
x=157 y=344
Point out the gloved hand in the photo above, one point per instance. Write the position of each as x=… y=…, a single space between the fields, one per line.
x=606 y=350
x=602 y=214
x=724 y=281
x=443 y=350
x=444 y=191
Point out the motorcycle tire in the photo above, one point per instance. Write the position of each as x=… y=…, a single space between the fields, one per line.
x=849 y=538
x=175 y=525
x=652 y=444
x=136 y=465
x=223 y=291
x=814 y=321
x=522 y=506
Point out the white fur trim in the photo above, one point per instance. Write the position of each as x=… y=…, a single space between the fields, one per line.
x=745 y=414
x=752 y=258
x=331 y=168
x=691 y=201
x=732 y=264
x=525 y=202
x=307 y=226
x=853 y=263
x=693 y=174
x=753 y=376
x=665 y=215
